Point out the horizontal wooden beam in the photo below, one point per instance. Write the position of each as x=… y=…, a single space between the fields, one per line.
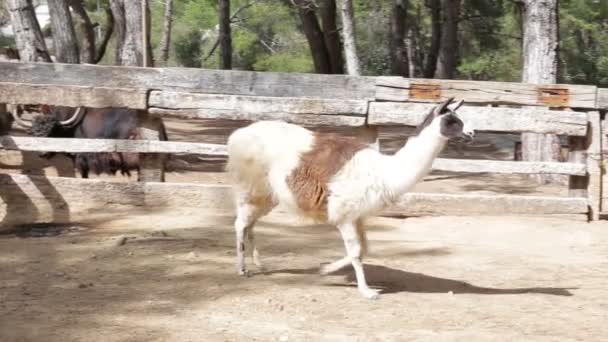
x=495 y=204
x=398 y=89
x=313 y=111
x=73 y=145
x=483 y=118
x=232 y=82
x=72 y=96
x=508 y=167
x=37 y=199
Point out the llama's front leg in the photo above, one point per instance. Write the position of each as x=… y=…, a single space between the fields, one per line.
x=352 y=242
x=340 y=264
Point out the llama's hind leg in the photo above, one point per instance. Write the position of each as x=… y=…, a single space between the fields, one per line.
x=248 y=212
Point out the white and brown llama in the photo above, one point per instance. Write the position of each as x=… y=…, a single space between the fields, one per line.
x=334 y=179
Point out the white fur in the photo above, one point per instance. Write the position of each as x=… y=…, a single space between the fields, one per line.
x=264 y=154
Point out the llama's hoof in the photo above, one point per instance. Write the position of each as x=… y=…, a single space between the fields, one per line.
x=261 y=268
x=325 y=269
x=370 y=293
x=259 y=265
x=245 y=273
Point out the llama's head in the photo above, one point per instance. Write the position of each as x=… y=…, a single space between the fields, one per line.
x=444 y=120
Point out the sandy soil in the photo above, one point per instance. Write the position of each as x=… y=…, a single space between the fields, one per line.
x=154 y=277
x=174 y=279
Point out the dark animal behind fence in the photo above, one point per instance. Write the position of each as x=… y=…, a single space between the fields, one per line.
x=94 y=123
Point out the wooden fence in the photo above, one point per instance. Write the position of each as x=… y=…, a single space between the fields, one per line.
x=309 y=99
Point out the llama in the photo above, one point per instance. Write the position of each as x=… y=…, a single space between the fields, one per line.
x=330 y=178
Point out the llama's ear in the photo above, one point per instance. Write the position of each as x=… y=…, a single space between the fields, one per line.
x=452 y=107
x=442 y=106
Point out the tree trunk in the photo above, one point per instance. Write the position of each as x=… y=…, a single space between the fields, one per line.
x=348 y=36
x=165 y=41
x=130 y=48
x=314 y=36
x=120 y=27
x=28 y=35
x=448 y=47
x=410 y=48
x=108 y=30
x=399 y=60
x=87 y=49
x=64 y=36
x=332 y=36
x=540 y=49
x=225 y=36
x=431 y=59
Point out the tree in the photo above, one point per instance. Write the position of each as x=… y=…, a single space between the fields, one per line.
x=165 y=41
x=431 y=60
x=327 y=8
x=64 y=36
x=314 y=36
x=399 y=55
x=540 y=50
x=348 y=36
x=87 y=44
x=28 y=35
x=129 y=29
x=448 y=46
x=225 y=36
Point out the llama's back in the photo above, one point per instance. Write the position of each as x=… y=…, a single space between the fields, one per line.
x=262 y=154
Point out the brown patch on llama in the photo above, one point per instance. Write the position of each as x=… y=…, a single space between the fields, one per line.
x=309 y=181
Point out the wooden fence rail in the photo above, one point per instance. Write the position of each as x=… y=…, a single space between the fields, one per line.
x=308 y=99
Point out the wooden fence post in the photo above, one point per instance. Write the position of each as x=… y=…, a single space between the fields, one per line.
x=151 y=165
x=368 y=134
x=594 y=164
x=577 y=185
x=588 y=150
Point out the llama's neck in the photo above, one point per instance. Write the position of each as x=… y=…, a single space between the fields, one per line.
x=414 y=160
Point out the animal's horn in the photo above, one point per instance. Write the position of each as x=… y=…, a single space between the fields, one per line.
x=74 y=117
x=441 y=107
x=19 y=120
x=454 y=106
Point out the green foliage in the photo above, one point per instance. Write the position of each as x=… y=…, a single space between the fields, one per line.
x=584 y=42
x=188 y=49
x=267 y=36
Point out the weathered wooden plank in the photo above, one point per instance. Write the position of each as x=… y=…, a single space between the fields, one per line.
x=496 y=204
x=602 y=98
x=37 y=199
x=152 y=165
x=604 y=151
x=426 y=90
x=192 y=80
x=72 y=96
x=593 y=155
x=577 y=185
x=73 y=145
x=508 y=167
x=529 y=119
x=301 y=119
x=229 y=106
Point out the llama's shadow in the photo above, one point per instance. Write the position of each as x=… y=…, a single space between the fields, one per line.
x=391 y=280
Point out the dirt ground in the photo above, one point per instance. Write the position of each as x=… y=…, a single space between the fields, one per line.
x=155 y=277
x=174 y=279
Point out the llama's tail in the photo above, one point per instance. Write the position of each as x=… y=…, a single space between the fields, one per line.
x=246 y=166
